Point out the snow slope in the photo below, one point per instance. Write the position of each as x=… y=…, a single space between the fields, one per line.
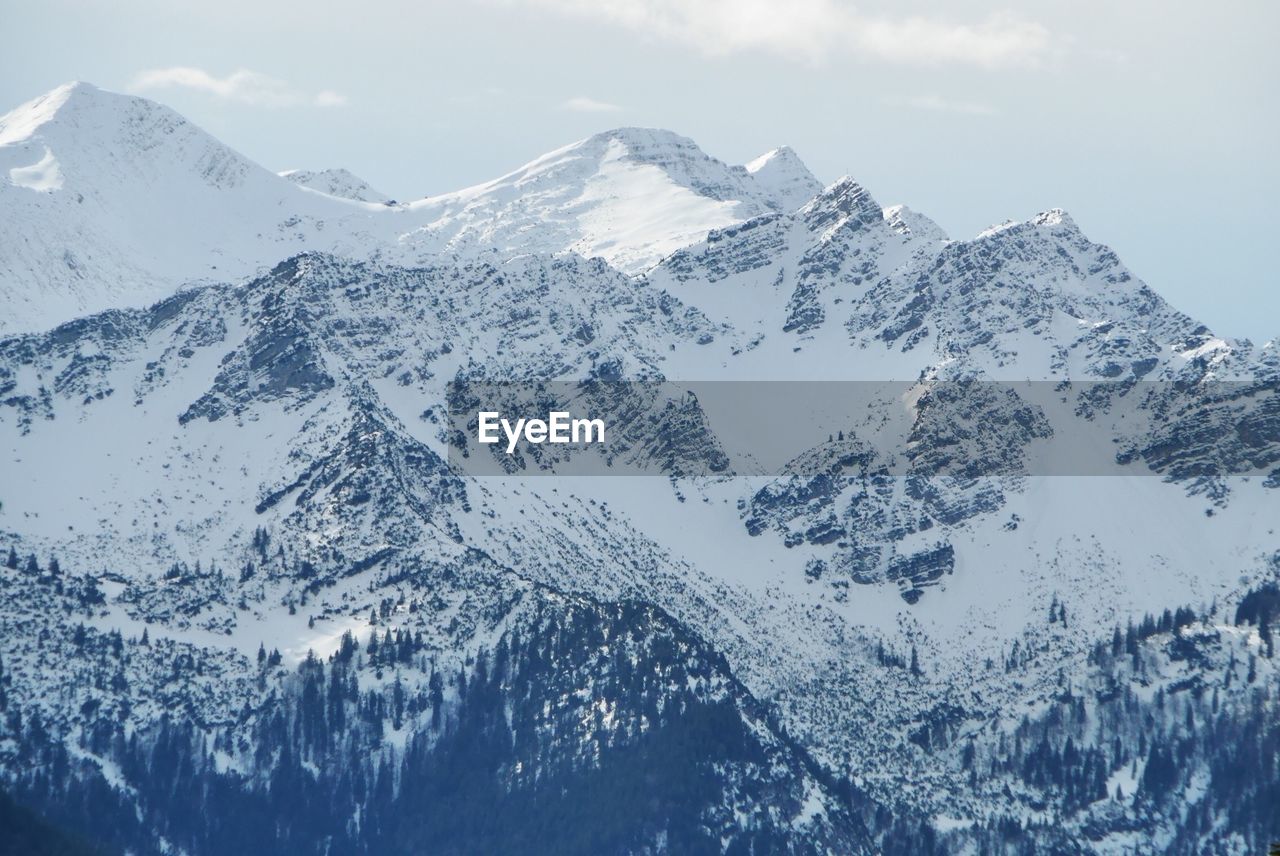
x=110 y=200
x=117 y=201
x=335 y=182
x=632 y=196
x=785 y=176
x=308 y=404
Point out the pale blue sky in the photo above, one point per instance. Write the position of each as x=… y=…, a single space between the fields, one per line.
x=1154 y=123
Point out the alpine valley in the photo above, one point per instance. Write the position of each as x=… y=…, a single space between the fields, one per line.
x=248 y=605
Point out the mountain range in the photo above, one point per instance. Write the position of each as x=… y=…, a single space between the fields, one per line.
x=250 y=598
x=117 y=201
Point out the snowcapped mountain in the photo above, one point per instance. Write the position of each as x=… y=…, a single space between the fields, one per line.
x=335 y=182
x=785 y=176
x=267 y=593
x=631 y=196
x=111 y=200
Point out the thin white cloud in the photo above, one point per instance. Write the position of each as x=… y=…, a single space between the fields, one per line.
x=244 y=86
x=814 y=30
x=329 y=98
x=582 y=104
x=938 y=104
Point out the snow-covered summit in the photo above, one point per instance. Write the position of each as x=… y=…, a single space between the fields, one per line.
x=785 y=176
x=116 y=201
x=22 y=122
x=631 y=195
x=844 y=201
x=100 y=136
x=335 y=182
x=113 y=200
x=906 y=221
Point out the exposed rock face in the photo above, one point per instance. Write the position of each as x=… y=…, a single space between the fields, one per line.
x=882 y=648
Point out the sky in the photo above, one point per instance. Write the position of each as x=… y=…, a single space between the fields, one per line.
x=1153 y=122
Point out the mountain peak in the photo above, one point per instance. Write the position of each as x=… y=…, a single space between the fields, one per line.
x=114 y=200
x=773 y=156
x=843 y=201
x=22 y=122
x=1054 y=217
x=91 y=133
x=906 y=221
x=682 y=160
x=629 y=195
x=781 y=172
x=641 y=136
x=78 y=119
x=338 y=182
x=776 y=181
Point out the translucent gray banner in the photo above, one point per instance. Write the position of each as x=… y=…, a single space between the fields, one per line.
x=861 y=428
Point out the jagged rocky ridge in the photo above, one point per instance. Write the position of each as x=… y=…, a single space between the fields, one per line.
x=894 y=664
